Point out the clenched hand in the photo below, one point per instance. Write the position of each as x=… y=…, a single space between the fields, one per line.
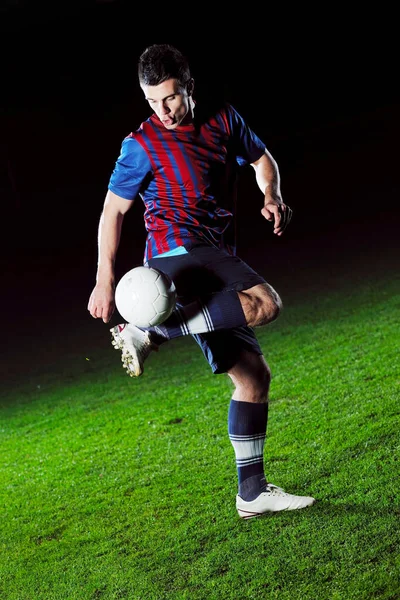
x=278 y=213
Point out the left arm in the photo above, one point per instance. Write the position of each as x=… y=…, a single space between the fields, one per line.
x=268 y=180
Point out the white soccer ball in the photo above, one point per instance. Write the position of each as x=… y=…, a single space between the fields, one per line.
x=145 y=296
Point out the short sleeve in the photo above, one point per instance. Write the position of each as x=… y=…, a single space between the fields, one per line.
x=131 y=169
x=248 y=147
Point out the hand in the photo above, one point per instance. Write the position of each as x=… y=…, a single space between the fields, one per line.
x=101 y=302
x=279 y=213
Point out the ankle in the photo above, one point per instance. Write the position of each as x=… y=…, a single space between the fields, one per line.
x=252 y=487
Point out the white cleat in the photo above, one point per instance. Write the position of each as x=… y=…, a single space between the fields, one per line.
x=274 y=499
x=135 y=345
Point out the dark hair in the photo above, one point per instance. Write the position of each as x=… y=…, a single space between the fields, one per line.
x=160 y=62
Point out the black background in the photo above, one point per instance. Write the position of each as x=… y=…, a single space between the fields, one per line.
x=321 y=89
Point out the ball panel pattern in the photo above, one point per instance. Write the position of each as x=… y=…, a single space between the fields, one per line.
x=145 y=296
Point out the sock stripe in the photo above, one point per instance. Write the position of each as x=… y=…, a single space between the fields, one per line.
x=183 y=323
x=200 y=322
x=248 y=449
x=222 y=310
x=246 y=438
x=243 y=462
x=207 y=317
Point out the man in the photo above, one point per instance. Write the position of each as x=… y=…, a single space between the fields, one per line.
x=182 y=162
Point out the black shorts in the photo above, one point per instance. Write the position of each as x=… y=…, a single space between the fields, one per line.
x=205 y=270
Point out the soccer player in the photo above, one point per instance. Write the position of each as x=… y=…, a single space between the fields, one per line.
x=182 y=162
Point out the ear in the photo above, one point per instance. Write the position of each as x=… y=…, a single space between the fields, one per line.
x=190 y=86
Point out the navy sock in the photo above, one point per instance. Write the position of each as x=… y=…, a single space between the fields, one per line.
x=247 y=426
x=222 y=310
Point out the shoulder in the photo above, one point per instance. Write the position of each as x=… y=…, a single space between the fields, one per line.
x=233 y=114
x=216 y=115
x=137 y=134
x=136 y=140
x=145 y=134
x=230 y=119
x=133 y=152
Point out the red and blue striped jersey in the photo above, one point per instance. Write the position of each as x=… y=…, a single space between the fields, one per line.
x=186 y=178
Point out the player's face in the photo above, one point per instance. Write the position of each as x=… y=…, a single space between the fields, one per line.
x=171 y=103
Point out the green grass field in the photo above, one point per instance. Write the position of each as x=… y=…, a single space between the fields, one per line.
x=121 y=488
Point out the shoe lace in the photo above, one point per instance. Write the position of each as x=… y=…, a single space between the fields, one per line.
x=274 y=489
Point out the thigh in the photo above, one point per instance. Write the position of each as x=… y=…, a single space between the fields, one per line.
x=182 y=269
x=205 y=270
x=190 y=277
x=231 y=271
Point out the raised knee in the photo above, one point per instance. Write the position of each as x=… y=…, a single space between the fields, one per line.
x=262 y=305
x=271 y=308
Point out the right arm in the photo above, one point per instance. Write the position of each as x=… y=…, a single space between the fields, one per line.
x=101 y=302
